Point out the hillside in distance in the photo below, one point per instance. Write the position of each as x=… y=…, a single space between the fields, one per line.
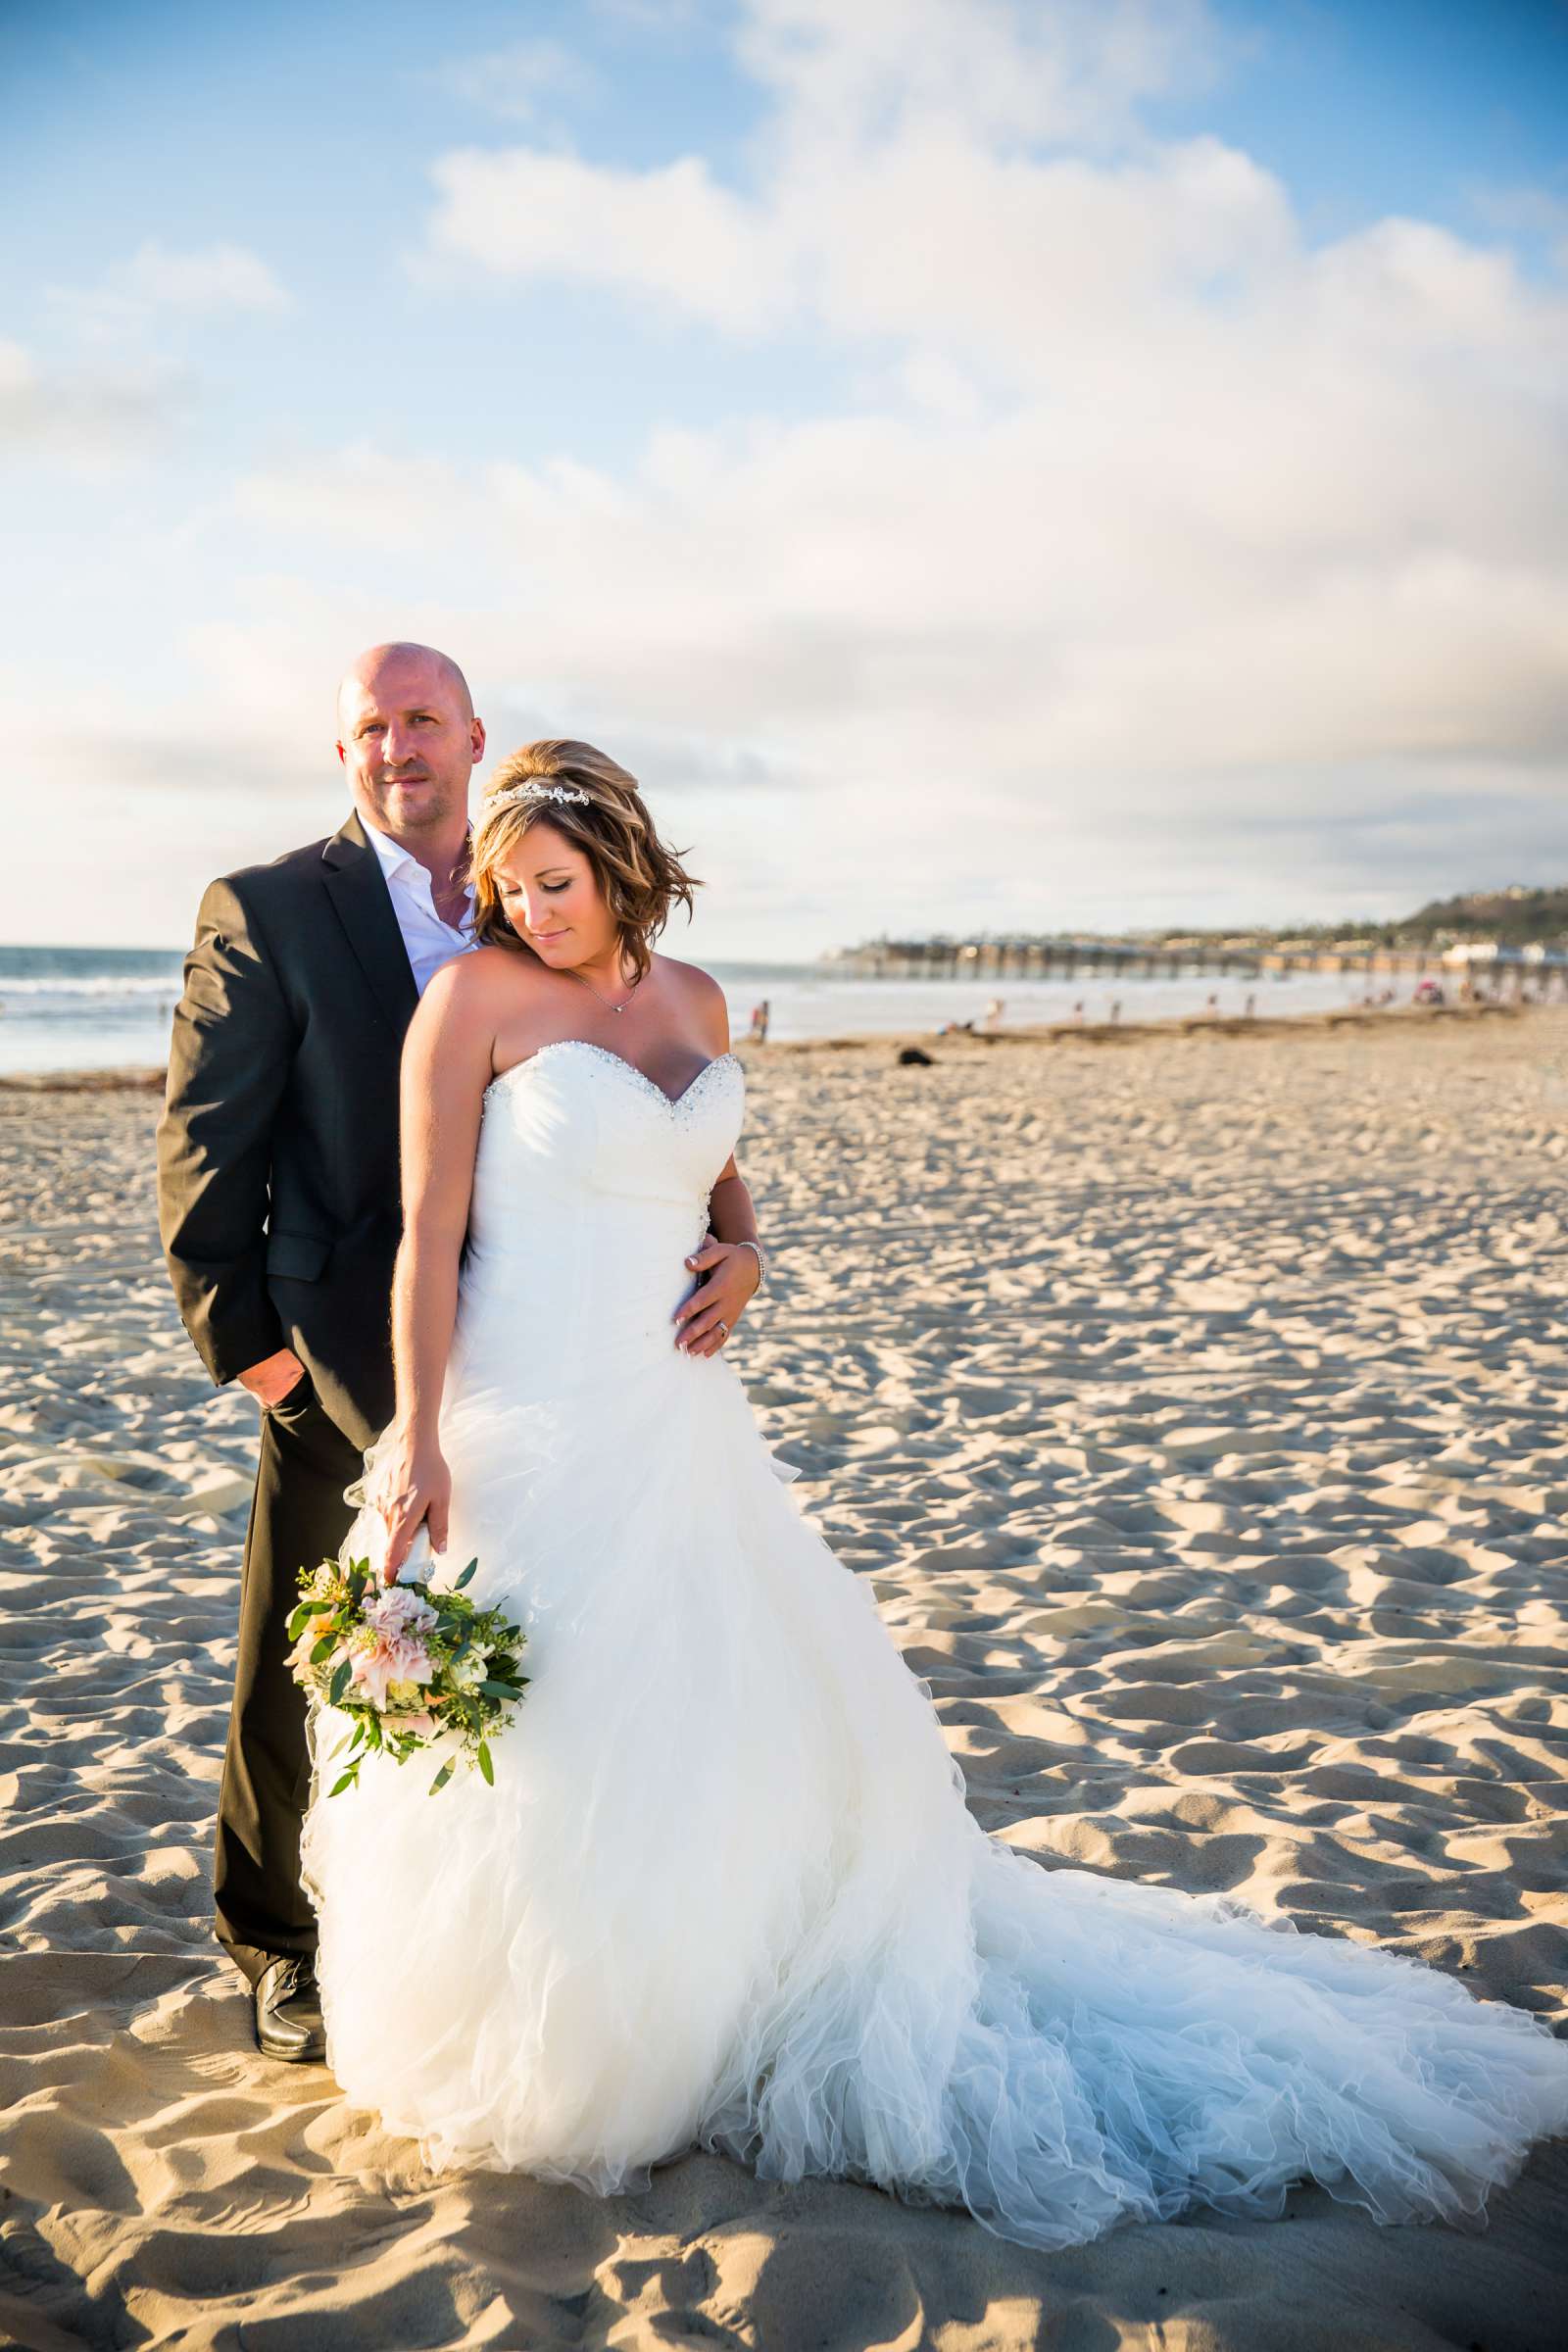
x=1514 y=918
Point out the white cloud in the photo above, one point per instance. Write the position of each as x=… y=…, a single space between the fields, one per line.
x=96 y=418
x=158 y=280
x=121 y=390
x=518 y=80
x=670 y=234
x=917 y=147
x=1007 y=70
x=213 y=277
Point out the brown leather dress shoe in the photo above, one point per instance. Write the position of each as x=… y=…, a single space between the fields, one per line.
x=288 y=2010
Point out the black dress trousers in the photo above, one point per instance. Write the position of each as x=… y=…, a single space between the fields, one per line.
x=298 y=1517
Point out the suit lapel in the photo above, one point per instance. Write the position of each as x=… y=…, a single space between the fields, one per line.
x=357 y=888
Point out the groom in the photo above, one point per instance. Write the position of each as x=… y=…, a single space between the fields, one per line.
x=277 y=1194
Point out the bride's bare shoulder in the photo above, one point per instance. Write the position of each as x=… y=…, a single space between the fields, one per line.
x=689 y=980
x=485 y=965
x=471 y=996
x=479 y=979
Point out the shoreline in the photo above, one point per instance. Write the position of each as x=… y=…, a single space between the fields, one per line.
x=142 y=1079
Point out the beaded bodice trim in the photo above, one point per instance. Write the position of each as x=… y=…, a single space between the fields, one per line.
x=675 y=1104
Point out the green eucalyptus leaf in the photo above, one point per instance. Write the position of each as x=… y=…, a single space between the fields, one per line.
x=349 y=1780
x=463 y=1577
x=485 y=1765
x=442 y=1776
x=340 y=1682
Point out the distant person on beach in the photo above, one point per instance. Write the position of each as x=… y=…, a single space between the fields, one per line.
x=990 y=1018
x=759 y=1029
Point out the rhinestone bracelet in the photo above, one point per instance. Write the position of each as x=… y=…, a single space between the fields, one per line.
x=756 y=1248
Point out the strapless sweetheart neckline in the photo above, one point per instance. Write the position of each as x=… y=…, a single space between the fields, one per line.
x=586 y=1045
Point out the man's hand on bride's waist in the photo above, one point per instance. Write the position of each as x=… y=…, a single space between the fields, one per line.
x=729 y=1274
x=413 y=1489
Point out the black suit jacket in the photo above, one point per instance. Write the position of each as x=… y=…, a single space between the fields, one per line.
x=277 y=1147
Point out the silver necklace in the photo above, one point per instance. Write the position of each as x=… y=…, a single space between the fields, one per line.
x=605 y=1000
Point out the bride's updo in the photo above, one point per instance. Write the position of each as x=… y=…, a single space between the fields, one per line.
x=639 y=877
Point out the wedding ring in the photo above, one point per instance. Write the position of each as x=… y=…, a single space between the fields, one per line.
x=724 y=1327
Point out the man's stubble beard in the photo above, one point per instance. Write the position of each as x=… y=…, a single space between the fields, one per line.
x=436 y=809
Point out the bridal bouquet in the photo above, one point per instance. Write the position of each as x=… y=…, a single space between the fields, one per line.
x=411 y=1666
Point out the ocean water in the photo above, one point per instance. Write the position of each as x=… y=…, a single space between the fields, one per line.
x=99 y=1009
x=86 y=1008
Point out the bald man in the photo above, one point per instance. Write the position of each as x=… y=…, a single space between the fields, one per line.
x=278 y=1190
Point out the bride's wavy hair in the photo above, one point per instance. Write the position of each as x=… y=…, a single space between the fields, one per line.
x=640 y=879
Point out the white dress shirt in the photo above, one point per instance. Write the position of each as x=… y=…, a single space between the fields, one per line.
x=430 y=942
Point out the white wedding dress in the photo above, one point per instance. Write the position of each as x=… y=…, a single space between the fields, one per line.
x=725 y=1891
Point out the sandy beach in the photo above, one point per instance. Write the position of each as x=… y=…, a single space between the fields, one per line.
x=1196 y=1408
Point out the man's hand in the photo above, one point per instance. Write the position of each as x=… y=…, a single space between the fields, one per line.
x=271 y=1380
x=413 y=1488
x=732 y=1276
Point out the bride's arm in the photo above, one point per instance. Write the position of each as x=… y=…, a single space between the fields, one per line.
x=446 y=1068
x=729 y=1261
x=731 y=1271
x=731 y=1216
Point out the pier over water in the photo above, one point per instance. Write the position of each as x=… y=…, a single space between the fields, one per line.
x=1497 y=967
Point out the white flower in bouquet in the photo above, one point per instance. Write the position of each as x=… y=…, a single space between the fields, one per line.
x=470 y=1671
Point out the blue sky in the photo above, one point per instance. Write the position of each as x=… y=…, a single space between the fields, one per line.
x=981 y=463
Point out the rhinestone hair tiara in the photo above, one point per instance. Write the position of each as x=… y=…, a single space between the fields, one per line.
x=534 y=790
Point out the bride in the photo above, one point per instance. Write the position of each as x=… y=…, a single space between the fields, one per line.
x=725 y=1891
